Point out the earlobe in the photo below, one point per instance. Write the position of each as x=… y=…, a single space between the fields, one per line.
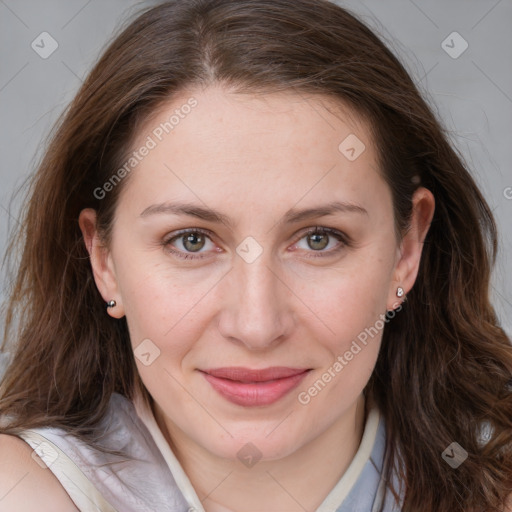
x=101 y=263
x=411 y=247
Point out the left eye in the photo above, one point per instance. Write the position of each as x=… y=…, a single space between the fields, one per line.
x=193 y=240
x=320 y=238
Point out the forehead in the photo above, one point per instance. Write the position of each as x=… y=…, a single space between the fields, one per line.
x=279 y=119
x=261 y=147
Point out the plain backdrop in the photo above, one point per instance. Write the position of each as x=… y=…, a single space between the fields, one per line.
x=458 y=51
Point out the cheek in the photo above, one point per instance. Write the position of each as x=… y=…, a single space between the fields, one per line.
x=164 y=320
x=352 y=304
x=351 y=299
x=155 y=294
x=354 y=310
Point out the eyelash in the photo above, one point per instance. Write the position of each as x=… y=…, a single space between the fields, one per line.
x=345 y=242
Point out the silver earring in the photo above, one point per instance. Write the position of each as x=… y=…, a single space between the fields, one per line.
x=111 y=303
x=400 y=292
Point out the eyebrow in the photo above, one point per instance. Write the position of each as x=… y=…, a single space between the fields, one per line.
x=291 y=216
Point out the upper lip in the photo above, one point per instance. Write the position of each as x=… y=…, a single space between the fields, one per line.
x=242 y=374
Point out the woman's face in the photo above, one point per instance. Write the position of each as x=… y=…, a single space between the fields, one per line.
x=248 y=286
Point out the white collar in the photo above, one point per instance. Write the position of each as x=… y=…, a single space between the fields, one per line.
x=330 y=503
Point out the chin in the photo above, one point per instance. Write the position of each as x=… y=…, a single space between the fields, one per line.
x=259 y=446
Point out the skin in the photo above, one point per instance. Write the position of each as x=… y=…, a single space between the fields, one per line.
x=26 y=483
x=253 y=158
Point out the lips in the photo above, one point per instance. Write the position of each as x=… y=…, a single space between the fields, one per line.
x=254 y=387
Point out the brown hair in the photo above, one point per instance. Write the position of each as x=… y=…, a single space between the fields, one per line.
x=445 y=364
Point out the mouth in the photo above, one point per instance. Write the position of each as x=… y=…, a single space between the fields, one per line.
x=247 y=387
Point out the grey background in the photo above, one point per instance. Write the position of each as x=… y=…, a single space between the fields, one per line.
x=472 y=93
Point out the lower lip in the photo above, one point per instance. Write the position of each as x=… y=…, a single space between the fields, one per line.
x=253 y=394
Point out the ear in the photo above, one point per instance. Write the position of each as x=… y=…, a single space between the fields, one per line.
x=101 y=262
x=411 y=246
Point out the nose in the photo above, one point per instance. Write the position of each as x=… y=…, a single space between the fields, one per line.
x=257 y=309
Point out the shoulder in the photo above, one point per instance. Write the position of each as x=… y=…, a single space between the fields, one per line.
x=26 y=485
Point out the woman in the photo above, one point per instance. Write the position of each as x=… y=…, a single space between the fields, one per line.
x=216 y=256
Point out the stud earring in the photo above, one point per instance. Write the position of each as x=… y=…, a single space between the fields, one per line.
x=400 y=292
x=111 y=303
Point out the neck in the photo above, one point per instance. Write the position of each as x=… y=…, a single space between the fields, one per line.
x=274 y=485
